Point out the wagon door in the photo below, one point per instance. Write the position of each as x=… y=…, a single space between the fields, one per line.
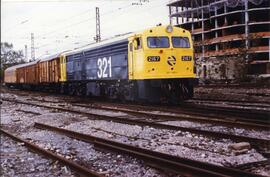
x=37 y=72
x=47 y=69
x=57 y=70
x=50 y=71
x=54 y=70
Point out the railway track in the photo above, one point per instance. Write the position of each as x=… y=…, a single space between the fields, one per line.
x=74 y=166
x=242 y=85
x=231 y=102
x=179 y=114
x=251 y=114
x=257 y=143
x=158 y=160
x=249 y=166
x=209 y=111
x=239 y=123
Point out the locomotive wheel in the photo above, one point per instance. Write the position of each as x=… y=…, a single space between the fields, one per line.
x=81 y=90
x=169 y=93
x=174 y=97
x=123 y=95
x=184 y=90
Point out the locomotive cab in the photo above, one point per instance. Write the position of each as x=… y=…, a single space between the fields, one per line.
x=161 y=52
x=161 y=63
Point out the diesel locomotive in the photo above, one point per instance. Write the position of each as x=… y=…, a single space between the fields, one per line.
x=154 y=65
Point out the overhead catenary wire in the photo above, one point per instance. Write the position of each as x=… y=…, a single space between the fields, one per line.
x=84 y=43
x=80 y=22
x=45 y=35
x=74 y=24
x=58 y=21
x=67 y=39
x=110 y=12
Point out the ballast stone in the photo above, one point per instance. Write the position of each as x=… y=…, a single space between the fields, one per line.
x=239 y=146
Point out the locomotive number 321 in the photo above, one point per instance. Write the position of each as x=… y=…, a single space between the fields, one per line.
x=104 y=67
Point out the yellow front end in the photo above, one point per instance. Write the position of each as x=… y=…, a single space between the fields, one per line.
x=161 y=52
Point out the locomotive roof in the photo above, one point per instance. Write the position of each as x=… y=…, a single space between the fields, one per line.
x=110 y=41
x=99 y=44
x=22 y=65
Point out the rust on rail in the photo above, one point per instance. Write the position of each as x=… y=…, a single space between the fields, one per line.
x=176 y=164
x=77 y=168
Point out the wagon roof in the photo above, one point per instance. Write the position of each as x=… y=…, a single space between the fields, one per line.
x=102 y=43
x=22 y=65
x=53 y=56
x=50 y=57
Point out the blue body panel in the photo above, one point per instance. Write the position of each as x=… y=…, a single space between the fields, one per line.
x=107 y=62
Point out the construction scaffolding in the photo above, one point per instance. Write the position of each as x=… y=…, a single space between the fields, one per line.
x=227 y=34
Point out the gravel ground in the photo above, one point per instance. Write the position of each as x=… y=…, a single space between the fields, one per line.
x=101 y=161
x=185 y=123
x=104 y=162
x=177 y=143
x=235 y=131
x=182 y=144
x=203 y=126
x=17 y=160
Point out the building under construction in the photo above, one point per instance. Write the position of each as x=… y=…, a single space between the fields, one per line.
x=231 y=37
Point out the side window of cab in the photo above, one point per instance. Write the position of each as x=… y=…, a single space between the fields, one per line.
x=131 y=47
x=138 y=42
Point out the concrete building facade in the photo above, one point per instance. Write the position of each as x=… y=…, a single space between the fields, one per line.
x=231 y=37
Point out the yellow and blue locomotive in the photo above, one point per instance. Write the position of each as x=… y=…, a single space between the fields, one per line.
x=154 y=65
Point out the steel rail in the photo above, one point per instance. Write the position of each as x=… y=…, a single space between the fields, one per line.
x=185 y=109
x=250 y=165
x=247 y=85
x=176 y=117
x=28 y=112
x=77 y=168
x=250 y=103
x=216 y=113
x=212 y=112
x=164 y=161
x=238 y=138
x=251 y=114
x=201 y=110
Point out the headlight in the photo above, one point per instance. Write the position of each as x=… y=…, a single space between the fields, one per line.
x=169 y=29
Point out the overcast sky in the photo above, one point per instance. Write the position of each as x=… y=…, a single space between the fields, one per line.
x=61 y=25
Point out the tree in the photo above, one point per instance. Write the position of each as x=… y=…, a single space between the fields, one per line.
x=10 y=57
